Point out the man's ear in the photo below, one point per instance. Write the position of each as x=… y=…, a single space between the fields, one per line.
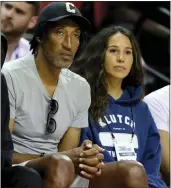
x=32 y=22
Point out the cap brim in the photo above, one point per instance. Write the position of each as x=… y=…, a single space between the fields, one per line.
x=81 y=21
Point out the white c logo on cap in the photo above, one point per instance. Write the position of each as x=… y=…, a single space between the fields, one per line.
x=70 y=7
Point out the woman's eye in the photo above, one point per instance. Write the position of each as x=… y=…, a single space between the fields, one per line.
x=113 y=50
x=128 y=52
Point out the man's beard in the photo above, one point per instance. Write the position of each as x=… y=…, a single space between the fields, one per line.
x=55 y=62
x=10 y=32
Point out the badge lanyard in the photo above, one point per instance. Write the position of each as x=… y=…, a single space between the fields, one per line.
x=133 y=127
x=124 y=150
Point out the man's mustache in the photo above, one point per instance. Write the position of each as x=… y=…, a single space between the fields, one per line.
x=6 y=22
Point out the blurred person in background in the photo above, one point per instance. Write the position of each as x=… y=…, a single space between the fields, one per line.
x=16 y=19
x=119 y=121
x=158 y=103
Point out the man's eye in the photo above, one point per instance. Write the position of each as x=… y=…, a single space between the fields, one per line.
x=20 y=12
x=77 y=35
x=8 y=6
x=59 y=32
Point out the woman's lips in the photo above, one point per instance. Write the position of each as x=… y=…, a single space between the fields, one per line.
x=119 y=68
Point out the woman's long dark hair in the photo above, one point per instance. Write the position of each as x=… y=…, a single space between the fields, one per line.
x=90 y=65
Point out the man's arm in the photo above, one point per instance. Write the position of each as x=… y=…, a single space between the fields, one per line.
x=68 y=147
x=164 y=140
x=91 y=153
x=70 y=139
x=20 y=158
x=11 y=125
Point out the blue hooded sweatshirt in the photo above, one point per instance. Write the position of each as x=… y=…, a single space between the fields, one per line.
x=126 y=117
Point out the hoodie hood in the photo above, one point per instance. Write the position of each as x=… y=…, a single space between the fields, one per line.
x=131 y=95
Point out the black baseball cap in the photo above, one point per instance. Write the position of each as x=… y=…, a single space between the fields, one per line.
x=56 y=11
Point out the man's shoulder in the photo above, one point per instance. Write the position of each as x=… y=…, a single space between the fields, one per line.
x=162 y=93
x=74 y=78
x=158 y=101
x=18 y=64
x=24 y=43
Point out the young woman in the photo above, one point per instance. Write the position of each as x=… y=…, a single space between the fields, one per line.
x=119 y=121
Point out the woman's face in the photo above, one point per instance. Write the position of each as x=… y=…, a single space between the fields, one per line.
x=118 y=57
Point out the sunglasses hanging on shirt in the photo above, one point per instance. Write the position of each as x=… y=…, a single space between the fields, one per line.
x=51 y=123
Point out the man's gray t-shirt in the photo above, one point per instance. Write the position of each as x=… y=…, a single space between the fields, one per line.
x=29 y=102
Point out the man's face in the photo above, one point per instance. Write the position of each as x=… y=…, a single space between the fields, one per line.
x=16 y=17
x=61 y=44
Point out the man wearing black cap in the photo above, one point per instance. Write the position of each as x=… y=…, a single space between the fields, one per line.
x=49 y=103
x=18 y=176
